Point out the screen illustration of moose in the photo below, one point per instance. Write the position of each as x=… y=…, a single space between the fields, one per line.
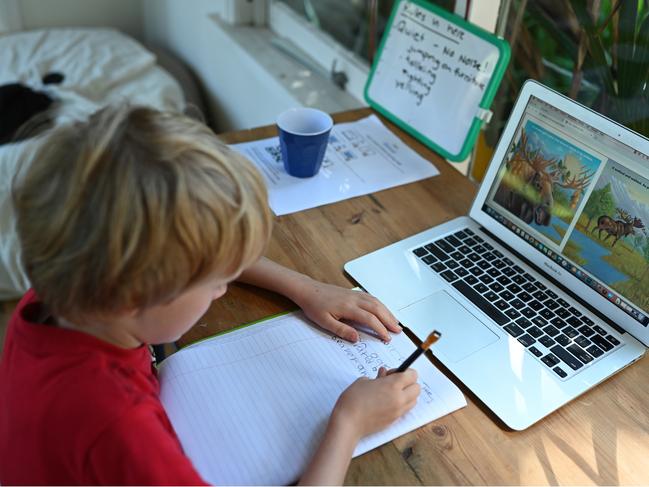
x=545 y=179
x=610 y=239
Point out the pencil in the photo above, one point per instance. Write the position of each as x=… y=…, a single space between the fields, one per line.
x=432 y=338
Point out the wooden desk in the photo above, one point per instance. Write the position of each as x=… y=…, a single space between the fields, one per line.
x=600 y=438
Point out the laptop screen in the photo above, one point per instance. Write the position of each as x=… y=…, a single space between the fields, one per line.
x=581 y=198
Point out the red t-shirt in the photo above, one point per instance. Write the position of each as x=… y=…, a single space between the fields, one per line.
x=77 y=410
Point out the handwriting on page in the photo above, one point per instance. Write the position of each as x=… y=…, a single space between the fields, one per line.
x=435 y=49
x=367 y=358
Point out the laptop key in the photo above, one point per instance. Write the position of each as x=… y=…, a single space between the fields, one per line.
x=484 y=265
x=501 y=304
x=595 y=351
x=580 y=353
x=457 y=255
x=504 y=280
x=602 y=343
x=429 y=259
x=450 y=276
x=438 y=267
x=514 y=330
x=567 y=357
x=546 y=341
x=466 y=263
x=468 y=231
x=451 y=264
x=517 y=303
x=540 y=295
x=538 y=321
x=558 y=322
x=465 y=250
x=551 y=330
x=550 y=303
x=612 y=339
x=562 y=339
x=493 y=272
x=524 y=297
x=486 y=279
x=508 y=271
x=496 y=287
x=512 y=313
x=528 y=312
x=481 y=303
x=519 y=280
x=474 y=257
x=471 y=280
x=506 y=295
x=563 y=302
x=535 y=351
x=535 y=331
x=587 y=320
x=470 y=242
x=498 y=264
x=564 y=313
x=599 y=330
x=461 y=271
x=574 y=321
x=551 y=293
x=460 y=234
x=481 y=288
x=453 y=241
x=535 y=305
x=570 y=331
x=420 y=252
x=526 y=340
x=550 y=360
x=445 y=246
x=514 y=288
x=437 y=252
x=560 y=372
x=476 y=271
x=491 y=296
x=529 y=287
x=582 y=341
x=546 y=313
x=574 y=311
x=523 y=322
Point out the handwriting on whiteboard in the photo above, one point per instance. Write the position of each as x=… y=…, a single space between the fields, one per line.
x=435 y=49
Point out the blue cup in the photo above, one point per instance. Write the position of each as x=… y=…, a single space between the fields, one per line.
x=303 y=137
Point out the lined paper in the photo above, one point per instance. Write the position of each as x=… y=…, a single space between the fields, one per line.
x=250 y=407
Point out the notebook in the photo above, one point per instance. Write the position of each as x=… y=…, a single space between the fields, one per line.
x=250 y=406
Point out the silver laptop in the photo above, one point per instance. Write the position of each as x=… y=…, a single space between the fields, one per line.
x=542 y=291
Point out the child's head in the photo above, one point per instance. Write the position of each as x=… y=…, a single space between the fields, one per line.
x=134 y=207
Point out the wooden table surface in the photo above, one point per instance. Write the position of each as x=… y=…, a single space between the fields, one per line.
x=600 y=438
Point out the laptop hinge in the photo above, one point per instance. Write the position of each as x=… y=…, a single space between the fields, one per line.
x=550 y=278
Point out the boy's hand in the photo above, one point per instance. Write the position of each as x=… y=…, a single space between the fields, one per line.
x=368 y=405
x=328 y=305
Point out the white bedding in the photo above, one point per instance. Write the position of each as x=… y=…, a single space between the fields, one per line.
x=101 y=66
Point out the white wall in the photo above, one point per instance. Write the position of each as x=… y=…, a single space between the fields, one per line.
x=240 y=93
x=125 y=15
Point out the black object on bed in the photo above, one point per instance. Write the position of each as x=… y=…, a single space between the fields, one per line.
x=19 y=103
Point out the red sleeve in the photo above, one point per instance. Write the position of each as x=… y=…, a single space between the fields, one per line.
x=138 y=449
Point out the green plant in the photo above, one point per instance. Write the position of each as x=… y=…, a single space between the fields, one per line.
x=595 y=51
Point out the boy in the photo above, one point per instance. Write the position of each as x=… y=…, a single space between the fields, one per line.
x=130 y=225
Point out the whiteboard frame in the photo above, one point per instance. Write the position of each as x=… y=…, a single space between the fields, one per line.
x=489 y=94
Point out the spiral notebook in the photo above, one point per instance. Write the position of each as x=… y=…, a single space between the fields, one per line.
x=250 y=406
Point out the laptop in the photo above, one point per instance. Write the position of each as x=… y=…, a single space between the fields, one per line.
x=542 y=291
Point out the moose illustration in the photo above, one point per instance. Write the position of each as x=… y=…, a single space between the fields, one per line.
x=617 y=228
x=532 y=180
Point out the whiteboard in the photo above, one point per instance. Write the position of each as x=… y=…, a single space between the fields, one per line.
x=435 y=75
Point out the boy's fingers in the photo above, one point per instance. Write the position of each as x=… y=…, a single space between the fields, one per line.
x=379 y=310
x=382 y=372
x=341 y=329
x=371 y=321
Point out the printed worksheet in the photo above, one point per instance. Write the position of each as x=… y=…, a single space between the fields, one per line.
x=362 y=157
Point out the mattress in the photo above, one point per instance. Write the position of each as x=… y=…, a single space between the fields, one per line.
x=100 y=67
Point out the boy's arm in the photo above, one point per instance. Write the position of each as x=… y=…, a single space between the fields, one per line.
x=328 y=306
x=331 y=460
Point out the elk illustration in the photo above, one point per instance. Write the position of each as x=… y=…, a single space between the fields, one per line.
x=532 y=180
x=617 y=228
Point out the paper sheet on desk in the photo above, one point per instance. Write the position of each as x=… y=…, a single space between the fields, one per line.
x=362 y=157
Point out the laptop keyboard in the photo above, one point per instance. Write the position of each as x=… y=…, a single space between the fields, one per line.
x=549 y=327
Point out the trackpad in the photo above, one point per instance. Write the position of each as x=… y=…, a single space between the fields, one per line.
x=462 y=333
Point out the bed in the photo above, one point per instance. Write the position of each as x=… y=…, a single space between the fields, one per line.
x=99 y=67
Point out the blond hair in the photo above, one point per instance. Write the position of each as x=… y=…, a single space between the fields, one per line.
x=132 y=208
